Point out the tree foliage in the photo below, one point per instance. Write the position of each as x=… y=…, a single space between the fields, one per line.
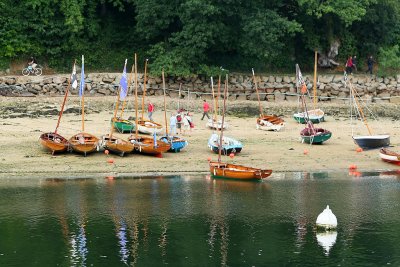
x=184 y=37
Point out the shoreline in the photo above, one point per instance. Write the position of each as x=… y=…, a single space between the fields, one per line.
x=282 y=151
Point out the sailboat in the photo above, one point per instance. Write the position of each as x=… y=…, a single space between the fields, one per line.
x=310 y=134
x=267 y=122
x=109 y=141
x=177 y=143
x=229 y=144
x=83 y=142
x=220 y=169
x=52 y=140
x=364 y=141
x=147 y=126
x=315 y=115
x=145 y=144
x=120 y=124
x=214 y=123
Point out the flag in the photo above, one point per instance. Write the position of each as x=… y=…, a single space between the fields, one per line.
x=74 y=81
x=82 y=84
x=123 y=83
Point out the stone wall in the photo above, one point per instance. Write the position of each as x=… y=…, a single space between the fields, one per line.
x=330 y=88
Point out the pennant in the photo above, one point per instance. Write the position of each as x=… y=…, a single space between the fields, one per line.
x=123 y=83
x=74 y=81
x=82 y=84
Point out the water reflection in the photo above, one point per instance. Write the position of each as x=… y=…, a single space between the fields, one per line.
x=195 y=221
x=326 y=240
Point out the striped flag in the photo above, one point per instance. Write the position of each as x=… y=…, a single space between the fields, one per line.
x=123 y=83
x=82 y=84
x=74 y=81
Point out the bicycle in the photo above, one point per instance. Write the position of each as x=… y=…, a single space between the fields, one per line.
x=29 y=70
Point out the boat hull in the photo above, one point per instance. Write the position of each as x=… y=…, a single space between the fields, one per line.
x=84 y=143
x=237 y=172
x=177 y=143
x=270 y=123
x=116 y=145
x=124 y=126
x=149 y=127
x=315 y=116
x=147 y=145
x=213 y=124
x=372 y=141
x=318 y=136
x=389 y=156
x=54 y=142
x=229 y=145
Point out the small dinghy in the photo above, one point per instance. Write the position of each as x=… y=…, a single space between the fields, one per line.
x=229 y=145
x=270 y=123
x=54 y=142
x=389 y=156
x=313 y=135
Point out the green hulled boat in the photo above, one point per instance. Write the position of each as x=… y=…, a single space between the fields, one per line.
x=315 y=135
x=124 y=126
x=315 y=116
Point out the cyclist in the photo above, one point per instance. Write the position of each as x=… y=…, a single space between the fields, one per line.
x=32 y=63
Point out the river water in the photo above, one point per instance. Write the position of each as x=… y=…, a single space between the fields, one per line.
x=197 y=221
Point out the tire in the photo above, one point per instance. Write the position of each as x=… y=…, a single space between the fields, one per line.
x=25 y=72
x=38 y=71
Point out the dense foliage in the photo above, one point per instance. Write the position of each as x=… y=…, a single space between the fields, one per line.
x=196 y=36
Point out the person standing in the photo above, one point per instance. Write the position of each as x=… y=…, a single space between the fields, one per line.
x=172 y=125
x=349 y=65
x=370 y=63
x=150 y=110
x=179 y=121
x=206 y=108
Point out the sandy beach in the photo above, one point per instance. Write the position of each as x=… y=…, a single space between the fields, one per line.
x=24 y=119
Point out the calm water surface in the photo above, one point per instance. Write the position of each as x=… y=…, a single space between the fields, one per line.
x=197 y=221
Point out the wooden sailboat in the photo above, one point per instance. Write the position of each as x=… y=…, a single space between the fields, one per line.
x=120 y=124
x=213 y=122
x=267 y=122
x=145 y=144
x=52 y=140
x=146 y=126
x=83 y=142
x=229 y=144
x=364 y=141
x=310 y=134
x=177 y=143
x=109 y=141
x=220 y=169
x=315 y=115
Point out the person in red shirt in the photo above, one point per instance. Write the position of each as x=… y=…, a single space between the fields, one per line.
x=349 y=65
x=150 y=110
x=206 y=108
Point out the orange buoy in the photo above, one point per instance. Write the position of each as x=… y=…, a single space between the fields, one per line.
x=359 y=149
x=110 y=177
x=110 y=160
x=352 y=167
x=209 y=158
x=305 y=152
x=231 y=155
x=106 y=152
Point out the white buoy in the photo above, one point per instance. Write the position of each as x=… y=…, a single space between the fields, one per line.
x=327 y=220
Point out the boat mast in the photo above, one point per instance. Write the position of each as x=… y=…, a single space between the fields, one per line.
x=258 y=95
x=165 y=105
x=136 y=97
x=179 y=94
x=83 y=95
x=364 y=119
x=218 y=94
x=65 y=98
x=223 y=119
x=214 y=103
x=144 y=86
x=315 y=79
x=117 y=104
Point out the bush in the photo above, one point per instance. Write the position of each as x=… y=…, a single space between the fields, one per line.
x=389 y=60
